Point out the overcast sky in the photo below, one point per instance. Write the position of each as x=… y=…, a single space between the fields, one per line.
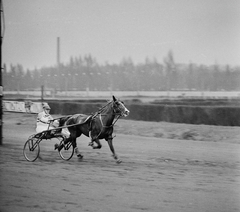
x=198 y=31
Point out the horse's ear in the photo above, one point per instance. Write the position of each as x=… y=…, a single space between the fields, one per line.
x=114 y=99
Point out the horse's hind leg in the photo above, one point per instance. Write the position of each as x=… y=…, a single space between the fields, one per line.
x=110 y=144
x=59 y=147
x=74 y=144
x=76 y=150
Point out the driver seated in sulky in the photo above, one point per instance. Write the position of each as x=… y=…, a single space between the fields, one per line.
x=44 y=120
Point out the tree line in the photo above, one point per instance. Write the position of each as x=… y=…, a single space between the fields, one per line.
x=84 y=73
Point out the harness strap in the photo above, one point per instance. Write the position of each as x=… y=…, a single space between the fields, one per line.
x=103 y=126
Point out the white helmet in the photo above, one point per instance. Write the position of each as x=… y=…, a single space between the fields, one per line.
x=46 y=106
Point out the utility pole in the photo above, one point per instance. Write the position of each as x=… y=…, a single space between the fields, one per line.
x=58 y=52
x=1 y=87
x=42 y=93
x=58 y=60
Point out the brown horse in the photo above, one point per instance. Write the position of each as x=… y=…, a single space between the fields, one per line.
x=97 y=126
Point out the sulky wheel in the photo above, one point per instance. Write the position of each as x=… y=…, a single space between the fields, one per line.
x=31 y=149
x=67 y=151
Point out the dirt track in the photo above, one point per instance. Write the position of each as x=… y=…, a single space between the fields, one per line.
x=157 y=173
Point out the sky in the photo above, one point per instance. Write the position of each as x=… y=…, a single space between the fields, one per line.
x=199 y=31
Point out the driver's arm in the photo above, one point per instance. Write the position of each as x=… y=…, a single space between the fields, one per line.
x=45 y=118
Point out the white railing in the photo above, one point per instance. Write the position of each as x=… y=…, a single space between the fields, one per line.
x=157 y=94
x=22 y=107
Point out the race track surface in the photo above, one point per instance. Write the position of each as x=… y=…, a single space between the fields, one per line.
x=157 y=174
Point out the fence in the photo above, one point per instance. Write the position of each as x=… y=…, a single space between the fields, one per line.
x=155 y=94
x=23 y=107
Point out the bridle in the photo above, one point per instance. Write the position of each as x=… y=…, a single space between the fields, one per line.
x=115 y=113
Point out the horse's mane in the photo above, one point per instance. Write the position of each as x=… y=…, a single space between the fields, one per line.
x=105 y=107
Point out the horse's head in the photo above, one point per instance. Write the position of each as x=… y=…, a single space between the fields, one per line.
x=119 y=107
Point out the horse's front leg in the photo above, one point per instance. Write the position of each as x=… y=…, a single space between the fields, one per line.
x=96 y=140
x=99 y=145
x=110 y=144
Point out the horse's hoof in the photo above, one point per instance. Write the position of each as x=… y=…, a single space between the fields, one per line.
x=119 y=161
x=80 y=156
x=56 y=146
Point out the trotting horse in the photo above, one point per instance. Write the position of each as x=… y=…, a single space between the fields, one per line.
x=97 y=126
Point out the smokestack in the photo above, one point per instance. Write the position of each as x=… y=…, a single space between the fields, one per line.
x=58 y=51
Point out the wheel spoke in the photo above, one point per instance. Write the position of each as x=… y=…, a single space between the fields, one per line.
x=31 y=149
x=67 y=151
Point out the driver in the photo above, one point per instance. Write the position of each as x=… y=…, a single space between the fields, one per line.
x=44 y=119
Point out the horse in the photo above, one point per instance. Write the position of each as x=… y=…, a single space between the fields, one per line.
x=97 y=126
